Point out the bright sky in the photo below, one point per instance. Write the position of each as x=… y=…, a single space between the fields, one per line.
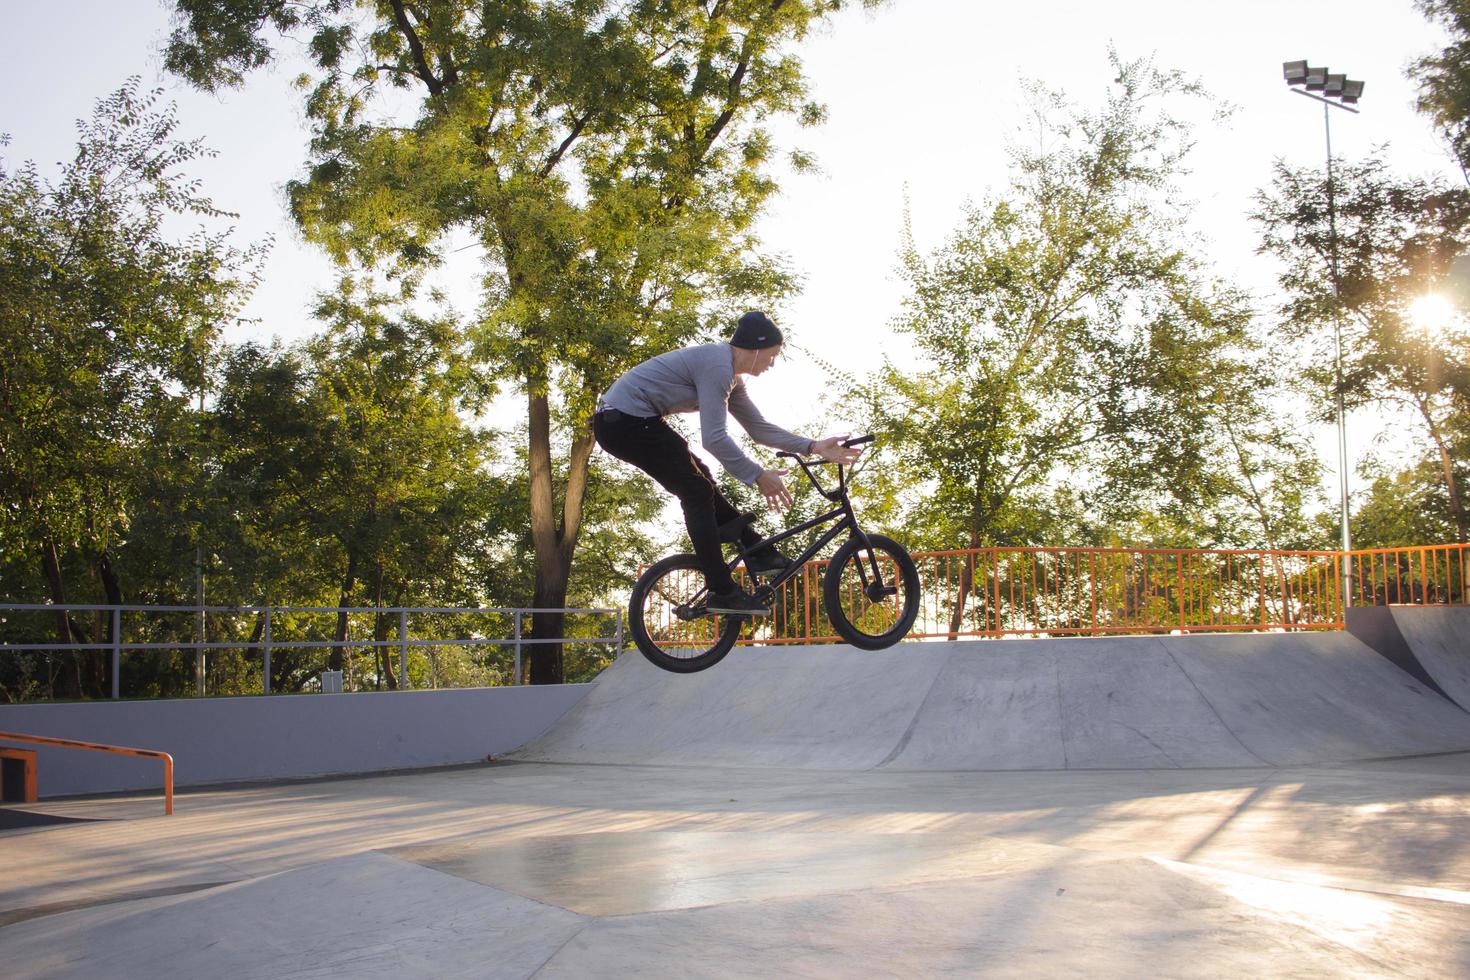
x=923 y=95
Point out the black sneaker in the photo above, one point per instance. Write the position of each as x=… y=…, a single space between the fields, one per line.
x=736 y=602
x=767 y=561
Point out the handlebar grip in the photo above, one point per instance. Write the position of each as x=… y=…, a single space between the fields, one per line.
x=858 y=440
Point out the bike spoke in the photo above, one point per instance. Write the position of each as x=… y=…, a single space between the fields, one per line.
x=870 y=616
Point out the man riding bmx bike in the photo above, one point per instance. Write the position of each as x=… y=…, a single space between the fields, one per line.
x=630 y=425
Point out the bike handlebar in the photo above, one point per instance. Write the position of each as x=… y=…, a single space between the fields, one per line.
x=840 y=494
x=848 y=444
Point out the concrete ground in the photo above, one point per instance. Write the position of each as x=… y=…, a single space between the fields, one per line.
x=552 y=870
x=1167 y=806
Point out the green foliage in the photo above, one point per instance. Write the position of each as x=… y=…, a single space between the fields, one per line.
x=1444 y=77
x=216 y=44
x=1404 y=508
x=609 y=158
x=108 y=324
x=345 y=474
x=1072 y=349
x=1393 y=242
x=354 y=440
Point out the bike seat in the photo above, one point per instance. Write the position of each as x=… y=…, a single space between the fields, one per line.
x=730 y=530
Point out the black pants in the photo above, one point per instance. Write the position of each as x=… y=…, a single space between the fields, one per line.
x=656 y=449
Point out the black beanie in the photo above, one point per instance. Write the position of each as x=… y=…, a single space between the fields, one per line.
x=755 y=331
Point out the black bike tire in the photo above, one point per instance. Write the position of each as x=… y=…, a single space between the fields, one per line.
x=832 y=585
x=646 y=644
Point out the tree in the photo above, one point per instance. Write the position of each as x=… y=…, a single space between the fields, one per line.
x=346 y=461
x=1066 y=335
x=610 y=160
x=107 y=323
x=1403 y=507
x=1394 y=240
x=1444 y=78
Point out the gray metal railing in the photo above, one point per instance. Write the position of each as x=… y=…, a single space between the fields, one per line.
x=266 y=644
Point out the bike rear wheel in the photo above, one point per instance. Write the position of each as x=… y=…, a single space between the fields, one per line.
x=861 y=608
x=666 y=622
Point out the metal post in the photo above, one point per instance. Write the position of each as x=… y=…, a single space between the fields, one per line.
x=116 y=650
x=1342 y=457
x=1179 y=570
x=1300 y=73
x=618 y=635
x=265 y=684
x=199 y=665
x=518 y=647
x=403 y=649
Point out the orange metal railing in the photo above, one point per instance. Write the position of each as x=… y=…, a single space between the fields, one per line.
x=66 y=743
x=993 y=592
x=1425 y=575
x=1097 y=591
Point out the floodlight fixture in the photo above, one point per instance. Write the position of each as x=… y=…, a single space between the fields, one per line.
x=1322 y=84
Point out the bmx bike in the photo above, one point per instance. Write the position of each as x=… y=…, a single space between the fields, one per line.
x=870 y=591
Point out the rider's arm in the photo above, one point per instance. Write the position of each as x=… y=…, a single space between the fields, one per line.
x=715 y=436
x=763 y=432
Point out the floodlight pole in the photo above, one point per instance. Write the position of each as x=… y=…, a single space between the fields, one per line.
x=1310 y=77
x=1342 y=450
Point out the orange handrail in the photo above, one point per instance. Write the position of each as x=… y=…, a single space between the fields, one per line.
x=1062 y=591
x=66 y=743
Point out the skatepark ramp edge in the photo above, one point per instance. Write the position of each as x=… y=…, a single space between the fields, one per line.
x=1126 y=702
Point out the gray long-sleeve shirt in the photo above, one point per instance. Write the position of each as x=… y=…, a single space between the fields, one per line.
x=702 y=379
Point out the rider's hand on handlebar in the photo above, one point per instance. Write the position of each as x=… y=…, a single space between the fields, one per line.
x=772 y=484
x=832 y=450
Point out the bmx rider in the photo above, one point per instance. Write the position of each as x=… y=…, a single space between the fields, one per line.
x=630 y=425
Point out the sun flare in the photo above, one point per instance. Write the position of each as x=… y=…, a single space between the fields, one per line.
x=1432 y=313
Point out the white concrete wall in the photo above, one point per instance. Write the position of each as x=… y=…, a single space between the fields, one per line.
x=217 y=740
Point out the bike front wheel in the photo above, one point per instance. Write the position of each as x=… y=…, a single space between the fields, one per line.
x=666 y=618
x=871 y=611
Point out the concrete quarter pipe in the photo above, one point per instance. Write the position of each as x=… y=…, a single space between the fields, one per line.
x=1157 y=702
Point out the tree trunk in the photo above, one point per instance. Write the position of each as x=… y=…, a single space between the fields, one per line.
x=336 y=657
x=967 y=581
x=1262 y=515
x=254 y=651
x=382 y=656
x=555 y=545
x=1447 y=467
x=70 y=685
x=967 y=574
x=51 y=566
x=112 y=590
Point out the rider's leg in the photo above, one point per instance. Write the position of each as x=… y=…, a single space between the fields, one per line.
x=725 y=511
x=765 y=560
x=654 y=447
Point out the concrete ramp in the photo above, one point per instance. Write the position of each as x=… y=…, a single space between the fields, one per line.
x=369 y=917
x=823 y=707
x=1439 y=638
x=1113 y=703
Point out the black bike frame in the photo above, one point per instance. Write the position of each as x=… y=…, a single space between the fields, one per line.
x=848 y=522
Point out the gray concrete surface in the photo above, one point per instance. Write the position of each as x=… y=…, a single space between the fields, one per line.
x=1439 y=638
x=1172 y=807
x=520 y=870
x=1112 y=703
x=216 y=740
